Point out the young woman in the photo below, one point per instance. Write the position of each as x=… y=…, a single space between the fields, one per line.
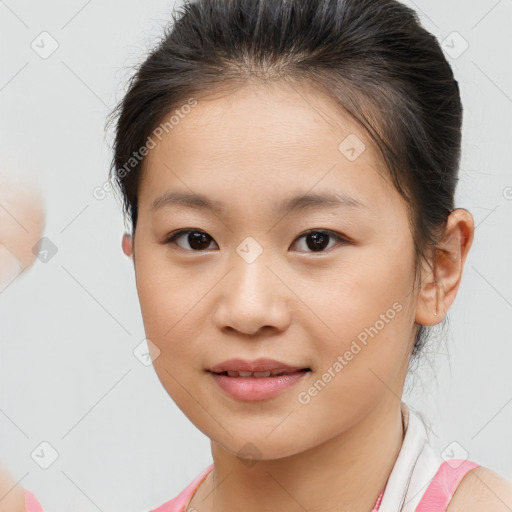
x=289 y=170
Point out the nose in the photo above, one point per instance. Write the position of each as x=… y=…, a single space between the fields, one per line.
x=252 y=298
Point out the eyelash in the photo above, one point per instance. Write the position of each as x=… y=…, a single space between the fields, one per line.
x=176 y=234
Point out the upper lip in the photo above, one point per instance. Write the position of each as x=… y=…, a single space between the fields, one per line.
x=258 y=365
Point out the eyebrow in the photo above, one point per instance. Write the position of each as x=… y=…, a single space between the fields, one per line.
x=297 y=203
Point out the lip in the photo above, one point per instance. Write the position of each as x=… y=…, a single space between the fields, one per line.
x=257 y=388
x=257 y=365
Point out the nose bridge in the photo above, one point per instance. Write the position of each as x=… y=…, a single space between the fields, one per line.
x=251 y=277
x=251 y=297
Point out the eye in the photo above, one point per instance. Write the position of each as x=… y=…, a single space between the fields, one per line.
x=197 y=240
x=317 y=240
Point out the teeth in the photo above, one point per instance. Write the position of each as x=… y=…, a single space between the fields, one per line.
x=262 y=374
x=267 y=373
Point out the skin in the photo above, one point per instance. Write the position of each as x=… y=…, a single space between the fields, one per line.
x=482 y=489
x=201 y=307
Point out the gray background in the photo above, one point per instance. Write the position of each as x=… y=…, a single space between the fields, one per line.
x=68 y=327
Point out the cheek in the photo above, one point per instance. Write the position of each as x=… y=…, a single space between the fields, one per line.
x=160 y=299
x=372 y=288
x=167 y=307
x=163 y=289
x=172 y=304
x=368 y=312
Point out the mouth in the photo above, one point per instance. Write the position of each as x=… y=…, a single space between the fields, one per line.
x=256 y=380
x=260 y=375
x=262 y=367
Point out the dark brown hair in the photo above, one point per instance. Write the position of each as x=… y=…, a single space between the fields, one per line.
x=372 y=57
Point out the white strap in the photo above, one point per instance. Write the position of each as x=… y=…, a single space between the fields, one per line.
x=415 y=466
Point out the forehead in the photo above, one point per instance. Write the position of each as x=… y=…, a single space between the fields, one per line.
x=264 y=140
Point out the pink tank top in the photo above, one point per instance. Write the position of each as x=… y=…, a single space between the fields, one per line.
x=436 y=497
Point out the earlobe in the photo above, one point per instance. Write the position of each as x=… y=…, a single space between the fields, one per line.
x=127 y=245
x=440 y=284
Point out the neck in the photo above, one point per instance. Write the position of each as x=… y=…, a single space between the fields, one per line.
x=347 y=472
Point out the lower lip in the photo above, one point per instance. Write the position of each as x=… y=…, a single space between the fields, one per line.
x=257 y=388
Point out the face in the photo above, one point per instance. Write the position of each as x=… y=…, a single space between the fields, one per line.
x=324 y=286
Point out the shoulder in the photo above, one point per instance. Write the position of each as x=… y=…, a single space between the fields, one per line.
x=482 y=489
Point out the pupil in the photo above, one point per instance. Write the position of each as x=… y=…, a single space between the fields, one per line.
x=320 y=240
x=197 y=240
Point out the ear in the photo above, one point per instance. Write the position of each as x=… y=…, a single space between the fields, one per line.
x=127 y=245
x=439 y=284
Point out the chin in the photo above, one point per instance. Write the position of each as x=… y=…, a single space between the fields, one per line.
x=261 y=446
